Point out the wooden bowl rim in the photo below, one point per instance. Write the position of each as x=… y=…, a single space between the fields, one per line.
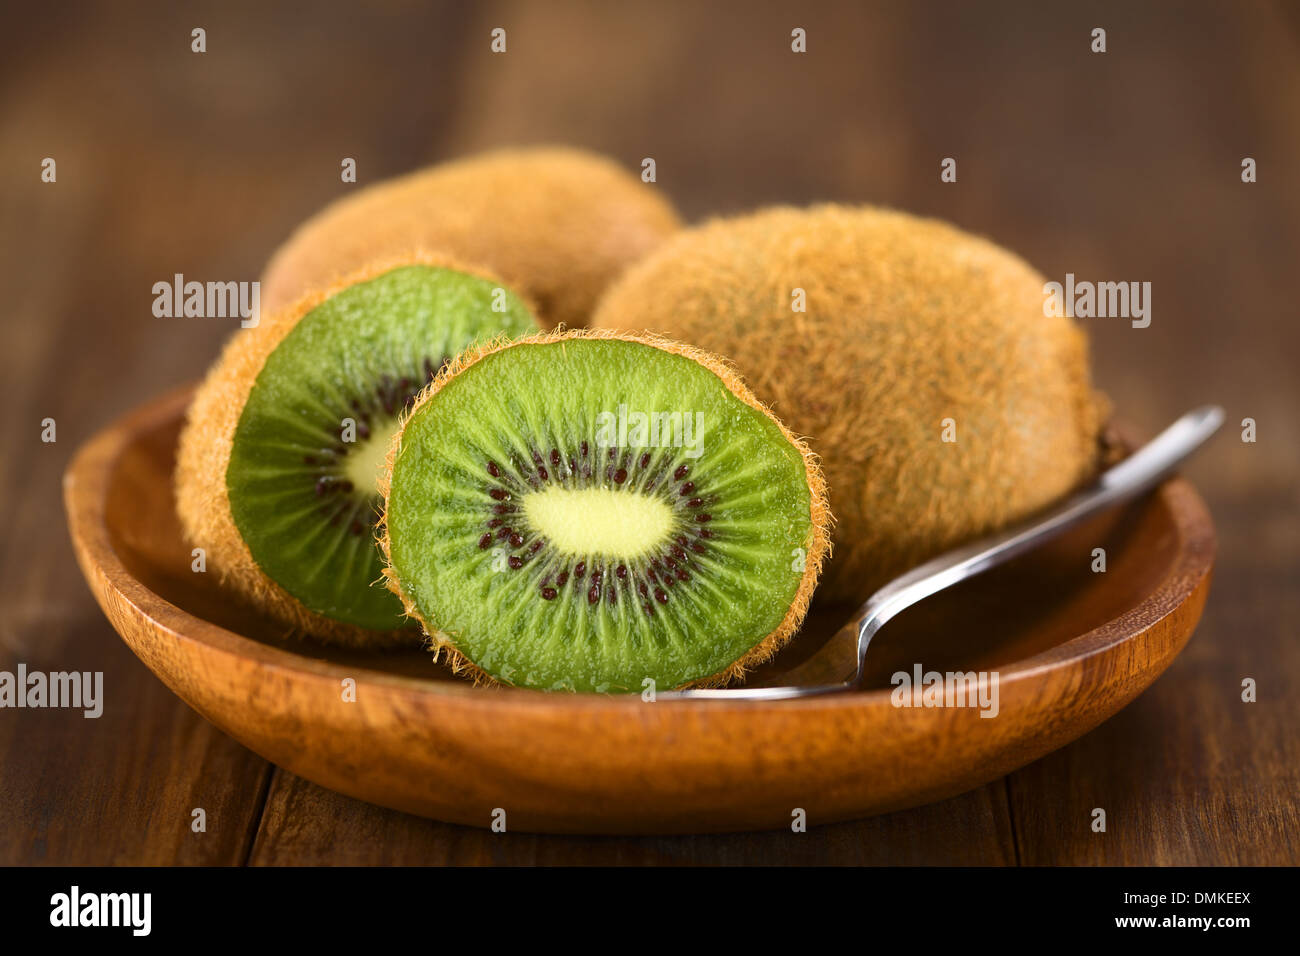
x=88 y=479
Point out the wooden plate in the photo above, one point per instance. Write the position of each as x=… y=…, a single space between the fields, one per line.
x=1071 y=647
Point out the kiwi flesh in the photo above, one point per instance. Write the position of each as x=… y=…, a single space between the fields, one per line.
x=557 y=224
x=907 y=323
x=585 y=512
x=279 y=462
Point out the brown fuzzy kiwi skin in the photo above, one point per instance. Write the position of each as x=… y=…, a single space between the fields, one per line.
x=909 y=321
x=817 y=547
x=203 y=456
x=557 y=224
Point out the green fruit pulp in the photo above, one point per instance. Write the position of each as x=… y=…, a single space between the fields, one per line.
x=558 y=541
x=302 y=482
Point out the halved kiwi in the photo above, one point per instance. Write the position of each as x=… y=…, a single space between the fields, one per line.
x=279 y=463
x=585 y=511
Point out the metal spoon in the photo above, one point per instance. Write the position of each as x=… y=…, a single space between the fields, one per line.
x=838 y=665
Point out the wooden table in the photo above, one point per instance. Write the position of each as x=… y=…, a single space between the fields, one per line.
x=1122 y=166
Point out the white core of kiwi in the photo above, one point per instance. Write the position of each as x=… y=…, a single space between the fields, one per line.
x=618 y=524
x=367 y=458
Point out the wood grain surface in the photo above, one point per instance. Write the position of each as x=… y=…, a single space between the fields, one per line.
x=1121 y=166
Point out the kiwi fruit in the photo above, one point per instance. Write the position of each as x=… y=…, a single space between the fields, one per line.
x=279 y=461
x=584 y=512
x=557 y=224
x=922 y=369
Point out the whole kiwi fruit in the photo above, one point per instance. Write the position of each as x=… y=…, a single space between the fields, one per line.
x=279 y=462
x=915 y=357
x=589 y=512
x=557 y=224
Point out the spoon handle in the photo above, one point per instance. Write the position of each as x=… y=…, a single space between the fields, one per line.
x=838 y=664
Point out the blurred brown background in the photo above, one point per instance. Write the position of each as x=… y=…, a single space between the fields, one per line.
x=1122 y=166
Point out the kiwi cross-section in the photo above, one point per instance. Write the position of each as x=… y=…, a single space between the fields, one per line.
x=584 y=512
x=279 y=466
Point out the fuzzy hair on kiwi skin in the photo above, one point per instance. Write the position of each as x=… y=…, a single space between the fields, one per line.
x=557 y=224
x=907 y=321
x=818 y=548
x=203 y=456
